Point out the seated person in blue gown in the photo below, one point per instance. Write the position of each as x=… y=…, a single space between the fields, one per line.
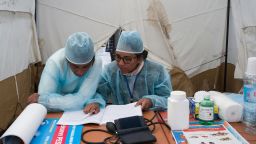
x=133 y=78
x=70 y=78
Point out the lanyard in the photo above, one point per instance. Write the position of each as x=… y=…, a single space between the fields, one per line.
x=128 y=87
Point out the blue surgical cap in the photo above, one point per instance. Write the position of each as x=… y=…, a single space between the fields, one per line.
x=79 y=48
x=130 y=42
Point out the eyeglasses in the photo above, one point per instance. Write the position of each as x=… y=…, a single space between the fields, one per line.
x=126 y=59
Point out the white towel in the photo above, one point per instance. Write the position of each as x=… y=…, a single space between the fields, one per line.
x=229 y=110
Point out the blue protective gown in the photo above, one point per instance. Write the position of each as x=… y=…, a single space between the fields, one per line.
x=151 y=82
x=61 y=90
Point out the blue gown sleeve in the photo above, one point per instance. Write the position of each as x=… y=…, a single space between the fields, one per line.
x=54 y=101
x=162 y=90
x=104 y=89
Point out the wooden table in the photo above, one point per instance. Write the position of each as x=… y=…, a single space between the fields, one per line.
x=162 y=134
x=240 y=127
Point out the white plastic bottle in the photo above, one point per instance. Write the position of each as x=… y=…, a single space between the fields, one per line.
x=178 y=110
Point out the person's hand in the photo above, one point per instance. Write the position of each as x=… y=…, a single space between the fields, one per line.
x=92 y=108
x=33 y=98
x=145 y=103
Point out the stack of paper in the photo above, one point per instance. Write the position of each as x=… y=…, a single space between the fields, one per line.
x=109 y=114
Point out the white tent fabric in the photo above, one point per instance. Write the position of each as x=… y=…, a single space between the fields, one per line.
x=101 y=18
x=244 y=15
x=18 y=6
x=198 y=33
x=189 y=34
x=18 y=38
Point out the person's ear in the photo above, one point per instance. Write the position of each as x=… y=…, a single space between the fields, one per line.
x=140 y=58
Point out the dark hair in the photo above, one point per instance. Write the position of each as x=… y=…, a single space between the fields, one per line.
x=92 y=61
x=144 y=54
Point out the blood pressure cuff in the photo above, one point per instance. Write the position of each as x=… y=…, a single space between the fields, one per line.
x=133 y=130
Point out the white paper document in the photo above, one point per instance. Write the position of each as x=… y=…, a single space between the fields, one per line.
x=26 y=125
x=109 y=114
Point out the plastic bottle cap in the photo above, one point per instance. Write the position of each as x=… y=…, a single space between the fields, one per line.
x=207 y=97
x=251 y=66
x=178 y=95
x=199 y=96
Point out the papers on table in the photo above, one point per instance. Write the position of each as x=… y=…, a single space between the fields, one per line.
x=109 y=114
x=79 y=117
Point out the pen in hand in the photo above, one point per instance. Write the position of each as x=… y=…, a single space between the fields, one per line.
x=92 y=112
x=92 y=108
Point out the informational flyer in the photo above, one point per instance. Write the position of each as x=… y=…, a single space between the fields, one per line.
x=221 y=132
x=49 y=132
x=210 y=135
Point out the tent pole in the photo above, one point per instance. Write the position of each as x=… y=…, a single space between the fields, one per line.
x=226 y=51
x=35 y=10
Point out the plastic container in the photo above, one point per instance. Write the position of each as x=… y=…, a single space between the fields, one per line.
x=198 y=97
x=215 y=110
x=178 y=111
x=206 y=111
x=249 y=112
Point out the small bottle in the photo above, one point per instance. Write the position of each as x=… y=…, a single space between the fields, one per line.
x=249 y=112
x=206 y=111
x=178 y=111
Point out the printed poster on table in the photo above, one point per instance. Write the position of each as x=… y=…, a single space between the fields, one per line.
x=210 y=135
x=50 y=133
x=221 y=132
